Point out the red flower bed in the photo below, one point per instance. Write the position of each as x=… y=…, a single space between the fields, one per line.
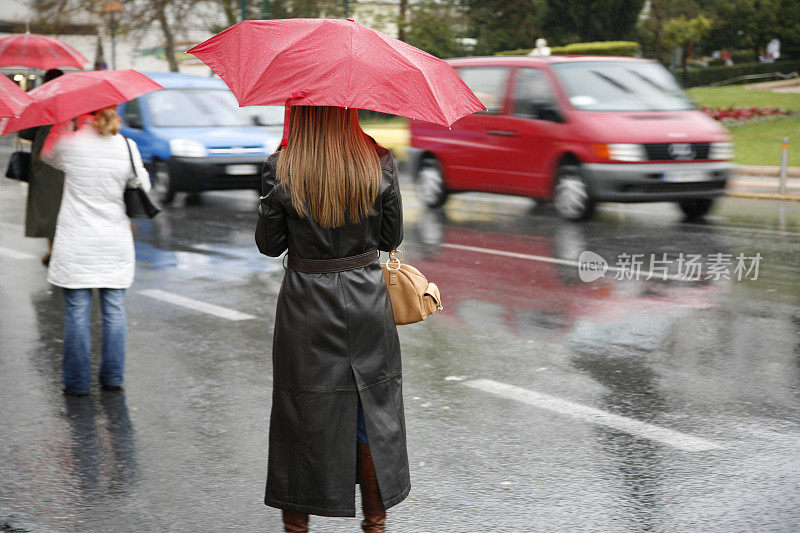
x=736 y=114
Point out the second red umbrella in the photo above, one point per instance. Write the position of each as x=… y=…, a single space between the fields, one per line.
x=38 y=51
x=12 y=99
x=77 y=93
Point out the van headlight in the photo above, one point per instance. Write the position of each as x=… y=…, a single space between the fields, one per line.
x=620 y=151
x=187 y=148
x=721 y=150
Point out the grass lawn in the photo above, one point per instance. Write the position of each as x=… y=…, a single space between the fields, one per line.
x=739 y=95
x=757 y=142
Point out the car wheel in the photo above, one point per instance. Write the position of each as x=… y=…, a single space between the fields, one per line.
x=163 y=187
x=572 y=198
x=697 y=208
x=430 y=184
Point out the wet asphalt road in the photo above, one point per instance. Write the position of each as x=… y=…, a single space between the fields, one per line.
x=536 y=402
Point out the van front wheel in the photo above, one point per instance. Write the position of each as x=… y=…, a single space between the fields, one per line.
x=430 y=183
x=572 y=198
x=697 y=208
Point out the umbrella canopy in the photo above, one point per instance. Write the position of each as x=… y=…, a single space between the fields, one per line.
x=76 y=93
x=12 y=99
x=337 y=63
x=38 y=51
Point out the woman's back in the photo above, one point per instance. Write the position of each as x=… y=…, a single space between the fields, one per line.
x=305 y=238
x=96 y=170
x=93 y=244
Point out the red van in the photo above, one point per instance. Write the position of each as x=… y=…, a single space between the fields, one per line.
x=575 y=130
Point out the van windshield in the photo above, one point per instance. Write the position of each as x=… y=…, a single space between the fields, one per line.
x=177 y=108
x=621 y=86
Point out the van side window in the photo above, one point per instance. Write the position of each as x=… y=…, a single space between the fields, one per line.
x=533 y=96
x=488 y=84
x=133 y=114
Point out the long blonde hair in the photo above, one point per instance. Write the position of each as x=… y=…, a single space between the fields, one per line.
x=107 y=122
x=329 y=165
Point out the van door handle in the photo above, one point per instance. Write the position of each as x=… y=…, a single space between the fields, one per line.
x=502 y=133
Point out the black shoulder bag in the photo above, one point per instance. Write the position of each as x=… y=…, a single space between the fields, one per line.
x=137 y=202
x=19 y=165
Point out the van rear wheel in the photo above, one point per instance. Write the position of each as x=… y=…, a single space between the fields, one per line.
x=430 y=183
x=572 y=198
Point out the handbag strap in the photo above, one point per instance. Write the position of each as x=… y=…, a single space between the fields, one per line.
x=394 y=262
x=130 y=156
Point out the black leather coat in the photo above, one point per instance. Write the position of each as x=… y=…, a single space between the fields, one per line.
x=335 y=340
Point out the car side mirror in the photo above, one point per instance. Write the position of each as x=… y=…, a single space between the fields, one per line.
x=134 y=121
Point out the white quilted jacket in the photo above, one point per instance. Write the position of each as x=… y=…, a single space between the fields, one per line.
x=93 y=244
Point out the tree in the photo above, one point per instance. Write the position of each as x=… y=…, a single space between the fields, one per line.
x=401 y=20
x=651 y=26
x=683 y=33
x=282 y=9
x=432 y=28
x=751 y=23
x=568 y=21
x=141 y=14
x=504 y=24
x=137 y=17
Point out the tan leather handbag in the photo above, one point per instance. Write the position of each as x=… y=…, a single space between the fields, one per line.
x=413 y=298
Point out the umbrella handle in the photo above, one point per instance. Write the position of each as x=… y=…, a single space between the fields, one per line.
x=297 y=95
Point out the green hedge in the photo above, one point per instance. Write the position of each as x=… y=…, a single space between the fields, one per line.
x=709 y=75
x=600 y=48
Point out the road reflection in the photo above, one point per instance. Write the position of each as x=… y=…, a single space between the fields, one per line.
x=520 y=275
x=102 y=446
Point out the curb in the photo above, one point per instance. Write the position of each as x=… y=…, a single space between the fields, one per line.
x=765 y=196
x=772 y=172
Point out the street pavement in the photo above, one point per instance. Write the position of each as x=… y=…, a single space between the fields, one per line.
x=535 y=402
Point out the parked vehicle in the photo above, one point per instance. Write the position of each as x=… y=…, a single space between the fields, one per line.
x=194 y=137
x=576 y=130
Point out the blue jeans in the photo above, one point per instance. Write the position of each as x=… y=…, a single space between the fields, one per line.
x=78 y=338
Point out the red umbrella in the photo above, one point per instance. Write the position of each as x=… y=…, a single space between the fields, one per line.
x=337 y=63
x=12 y=99
x=38 y=51
x=76 y=93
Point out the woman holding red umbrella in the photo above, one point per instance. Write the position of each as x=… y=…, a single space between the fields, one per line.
x=331 y=198
x=93 y=245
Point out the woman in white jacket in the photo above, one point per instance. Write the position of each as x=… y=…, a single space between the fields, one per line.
x=93 y=244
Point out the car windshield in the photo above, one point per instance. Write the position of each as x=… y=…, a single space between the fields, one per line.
x=177 y=108
x=621 y=86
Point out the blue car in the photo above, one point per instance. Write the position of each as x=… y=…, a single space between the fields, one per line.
x=194 y=137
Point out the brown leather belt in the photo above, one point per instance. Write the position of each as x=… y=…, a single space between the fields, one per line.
x=328 y=266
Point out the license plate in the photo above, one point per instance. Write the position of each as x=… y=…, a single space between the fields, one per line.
x=241 y=170
x=685 y=176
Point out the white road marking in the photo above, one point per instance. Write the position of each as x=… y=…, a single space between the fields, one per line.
x=196 y=305
x=14 y=254
x=555 y=260
x=592 y=415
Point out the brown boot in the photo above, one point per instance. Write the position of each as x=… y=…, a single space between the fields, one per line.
x=294 y=522
x=371 y=501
